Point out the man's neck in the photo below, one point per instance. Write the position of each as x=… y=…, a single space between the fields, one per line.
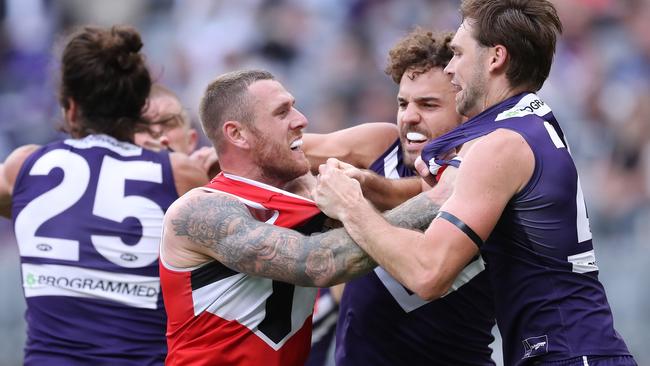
x=495 y=95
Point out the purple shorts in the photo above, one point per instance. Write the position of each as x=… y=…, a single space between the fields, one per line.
x=591 y=361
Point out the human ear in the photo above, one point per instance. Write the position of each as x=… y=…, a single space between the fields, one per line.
x=236 y=134
x=498 y=58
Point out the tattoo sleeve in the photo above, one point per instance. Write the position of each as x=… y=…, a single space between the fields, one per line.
x=416 y=213
x=226 y=228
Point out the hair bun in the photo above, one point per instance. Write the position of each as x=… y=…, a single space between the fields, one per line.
x=123 y=47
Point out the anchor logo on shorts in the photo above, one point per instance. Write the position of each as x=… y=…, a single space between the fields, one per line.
x=535 y=346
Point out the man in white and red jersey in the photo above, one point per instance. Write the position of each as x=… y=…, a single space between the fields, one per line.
x=235 y=278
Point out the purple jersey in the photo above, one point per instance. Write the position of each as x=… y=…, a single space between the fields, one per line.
x=88 y=216
x=549 y=302
x=383 y=323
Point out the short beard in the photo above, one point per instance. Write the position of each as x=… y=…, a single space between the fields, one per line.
x=469 y=105
x=406 y=158
x=275 y=168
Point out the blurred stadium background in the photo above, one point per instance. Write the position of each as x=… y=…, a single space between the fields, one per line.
x=331 y=54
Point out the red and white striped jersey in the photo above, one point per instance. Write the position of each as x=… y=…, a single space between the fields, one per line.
x=217 y=316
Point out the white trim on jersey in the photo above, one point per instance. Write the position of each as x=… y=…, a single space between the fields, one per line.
x=583 y=262
x=107 y=142
x=248 y=203
x=530 y=104
x=265 y=186
x=470 y=271
x=408 y=302
x=390 y=164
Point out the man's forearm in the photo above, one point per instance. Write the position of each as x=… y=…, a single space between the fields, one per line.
x=375 y=234
x=387 y=193
x=392 y=246
x=348 y=258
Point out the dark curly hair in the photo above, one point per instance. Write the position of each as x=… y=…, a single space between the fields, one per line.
x=419 y=51
x=104 y=73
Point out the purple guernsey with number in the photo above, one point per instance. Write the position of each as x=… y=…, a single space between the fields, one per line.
x=383 y=323
x=540 y=259
x=88 y=217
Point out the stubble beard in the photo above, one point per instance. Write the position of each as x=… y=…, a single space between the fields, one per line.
x=468 y=104
x=275 y=164
x=407 y=158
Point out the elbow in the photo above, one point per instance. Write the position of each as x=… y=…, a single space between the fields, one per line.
x=326 y=282
x=428 y=286
x=329 y=280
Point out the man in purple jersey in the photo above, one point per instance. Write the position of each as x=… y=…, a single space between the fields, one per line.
x=381 y=322
x=88 y=212
x=516 y=198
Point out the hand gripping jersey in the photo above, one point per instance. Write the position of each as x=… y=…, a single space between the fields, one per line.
x=381 y=322
x=88 y=216
x=218 y=316
x=540 y=259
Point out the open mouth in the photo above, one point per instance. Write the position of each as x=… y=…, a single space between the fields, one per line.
x=415 y=137
x=296 y=144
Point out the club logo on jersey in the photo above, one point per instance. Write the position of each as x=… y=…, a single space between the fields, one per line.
x=535 y=346
x=129 y=257
x=44 y=247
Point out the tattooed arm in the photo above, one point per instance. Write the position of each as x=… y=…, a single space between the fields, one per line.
x=202 y=225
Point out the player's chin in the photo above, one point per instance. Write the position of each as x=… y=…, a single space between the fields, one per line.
x=300 y=165
x=409 y=159
x=304 y=166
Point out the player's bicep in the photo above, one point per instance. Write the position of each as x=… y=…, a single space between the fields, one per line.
x=493 y=171
x=9 y=173
x=221 y=227
x=359 y=145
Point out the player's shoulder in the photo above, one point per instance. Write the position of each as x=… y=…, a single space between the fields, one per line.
x=15 y=161
x=205 y=200
x=21 y=153
x=502 y=142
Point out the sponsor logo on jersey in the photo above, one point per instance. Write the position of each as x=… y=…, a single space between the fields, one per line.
x=530 y=104
x=61 y=280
